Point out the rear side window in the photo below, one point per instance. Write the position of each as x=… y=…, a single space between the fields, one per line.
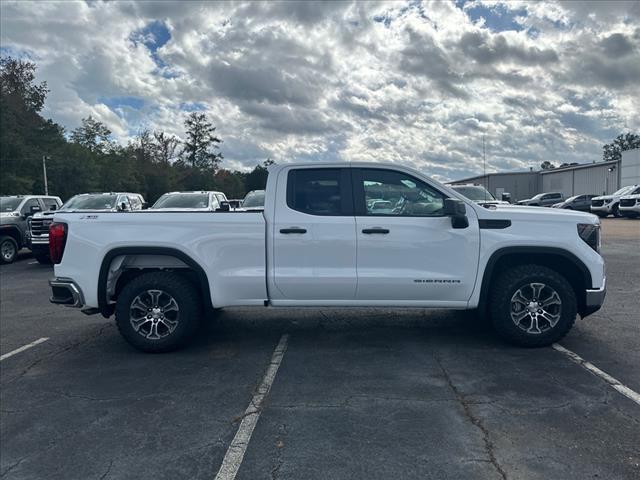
x=319 y=191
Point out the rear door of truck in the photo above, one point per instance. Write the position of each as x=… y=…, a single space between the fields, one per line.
x=314 y=237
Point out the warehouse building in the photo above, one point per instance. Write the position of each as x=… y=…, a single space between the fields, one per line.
x=599 y=178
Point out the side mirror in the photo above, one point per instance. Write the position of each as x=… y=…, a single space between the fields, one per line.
x=224 y=207
x=145 y=205
x=506 y=197
x=53 y=207
x=33 y=209
x=457 y=210
x=123 y=207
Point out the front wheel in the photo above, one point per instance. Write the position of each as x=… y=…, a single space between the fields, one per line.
x=158 y=311
x=8 y=250
x=532 y=306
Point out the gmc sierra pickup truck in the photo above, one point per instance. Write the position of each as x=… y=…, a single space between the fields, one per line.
x=320 y=242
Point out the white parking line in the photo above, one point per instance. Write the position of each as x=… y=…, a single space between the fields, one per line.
x=33 y=263
x=235 y=453
x=623 y=389
x=23 y=348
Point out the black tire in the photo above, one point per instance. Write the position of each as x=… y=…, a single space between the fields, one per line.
x=43 y=259
x=187 y=317
x=518 y=278
x=8 y=250
x=616 y=211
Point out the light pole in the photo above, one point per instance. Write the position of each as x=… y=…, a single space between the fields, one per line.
x=44 y=173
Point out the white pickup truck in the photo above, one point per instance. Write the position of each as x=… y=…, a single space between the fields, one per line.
x=319 y=242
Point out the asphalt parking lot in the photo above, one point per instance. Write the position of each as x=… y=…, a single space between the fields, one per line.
x=366 y=394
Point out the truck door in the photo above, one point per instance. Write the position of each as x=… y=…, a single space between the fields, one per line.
x=314 y=237
x=408 y=250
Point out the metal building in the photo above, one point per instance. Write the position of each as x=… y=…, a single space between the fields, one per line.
x=520 y=185
x=592 y=178
x=630 y=168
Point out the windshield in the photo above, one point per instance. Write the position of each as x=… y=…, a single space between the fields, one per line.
x=183 y=200
x=9 y=204
x=90 y=202
x=624 y=190
x=254 y=199
x=571 y=199
x=474 y=192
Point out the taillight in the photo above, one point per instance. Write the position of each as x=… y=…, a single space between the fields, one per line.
x=57 y=241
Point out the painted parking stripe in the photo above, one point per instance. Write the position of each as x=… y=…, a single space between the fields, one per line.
x=23 y=348
x=235 y=453
x=623 y=389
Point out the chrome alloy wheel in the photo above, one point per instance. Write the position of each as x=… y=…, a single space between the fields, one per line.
x=154 y=314
x=536 y=308
x=7 y=250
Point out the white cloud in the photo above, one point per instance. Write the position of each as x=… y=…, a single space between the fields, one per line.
x=413 y=83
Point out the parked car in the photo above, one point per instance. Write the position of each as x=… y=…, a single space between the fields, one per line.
x=318 y=244
x=577 y=202
x=480 y=195
x=606 y=205
x=543 y=200
x=254 y=200
x=630 y=205
x=38 y=225
x=190 y=201
x=14 y=213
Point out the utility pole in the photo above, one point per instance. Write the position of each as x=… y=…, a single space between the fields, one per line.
x=44 y=173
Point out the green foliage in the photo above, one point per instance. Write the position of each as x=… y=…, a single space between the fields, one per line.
x=623 y=142
x=90 y=161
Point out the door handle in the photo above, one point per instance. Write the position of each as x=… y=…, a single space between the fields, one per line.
x=379 y=231
x=293 y=230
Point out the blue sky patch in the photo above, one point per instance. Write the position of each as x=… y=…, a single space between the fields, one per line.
x=153 y=36
x=498 y=18
x=114 y=103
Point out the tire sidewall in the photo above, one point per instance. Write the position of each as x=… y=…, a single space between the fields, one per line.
x=501 y=309
x=12 y=242
x=189 y=311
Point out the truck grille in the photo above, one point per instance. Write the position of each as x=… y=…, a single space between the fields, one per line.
x=627 y=202
x=597 y=203
x=40 y=226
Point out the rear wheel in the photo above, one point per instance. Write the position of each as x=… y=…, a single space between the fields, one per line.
x=8 y=250
x=158 y=311
x=532 y=306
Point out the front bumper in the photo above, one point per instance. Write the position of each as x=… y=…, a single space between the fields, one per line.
x=632 y=209
x=594 y=299
x=66 y=292
x=603 y=209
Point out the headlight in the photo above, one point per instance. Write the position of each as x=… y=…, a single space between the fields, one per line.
x=590 y=234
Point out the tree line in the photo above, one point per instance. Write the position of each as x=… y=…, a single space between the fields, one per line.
x=87 y=159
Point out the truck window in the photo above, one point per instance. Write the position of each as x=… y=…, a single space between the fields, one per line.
x=391 y=193
x=316 y=191
x=50 y=203
x=26 y=208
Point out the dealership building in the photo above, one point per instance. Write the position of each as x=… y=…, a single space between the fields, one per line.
x=590 y=178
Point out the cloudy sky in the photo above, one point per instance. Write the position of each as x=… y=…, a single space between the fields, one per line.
x=414 y=82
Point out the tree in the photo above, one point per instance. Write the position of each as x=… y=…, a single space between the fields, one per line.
x=623 y=142
x=257 y=178
x=201 y=142
x=93 y=134
x=16 y=84
x=165 y=147
x=547 y=165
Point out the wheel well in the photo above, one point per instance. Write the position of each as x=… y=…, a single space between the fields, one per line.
x=563 y=264
x=122 y=265
x=14 y=233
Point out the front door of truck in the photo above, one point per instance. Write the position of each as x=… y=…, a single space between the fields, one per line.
x=314 y=237
x=408 y=250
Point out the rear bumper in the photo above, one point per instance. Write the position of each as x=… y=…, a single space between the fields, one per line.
x=66 y=292
x=594 y=299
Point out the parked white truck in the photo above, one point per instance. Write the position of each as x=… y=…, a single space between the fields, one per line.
x=319 y=243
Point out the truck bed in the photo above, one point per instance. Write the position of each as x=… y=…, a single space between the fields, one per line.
x=229 y=246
